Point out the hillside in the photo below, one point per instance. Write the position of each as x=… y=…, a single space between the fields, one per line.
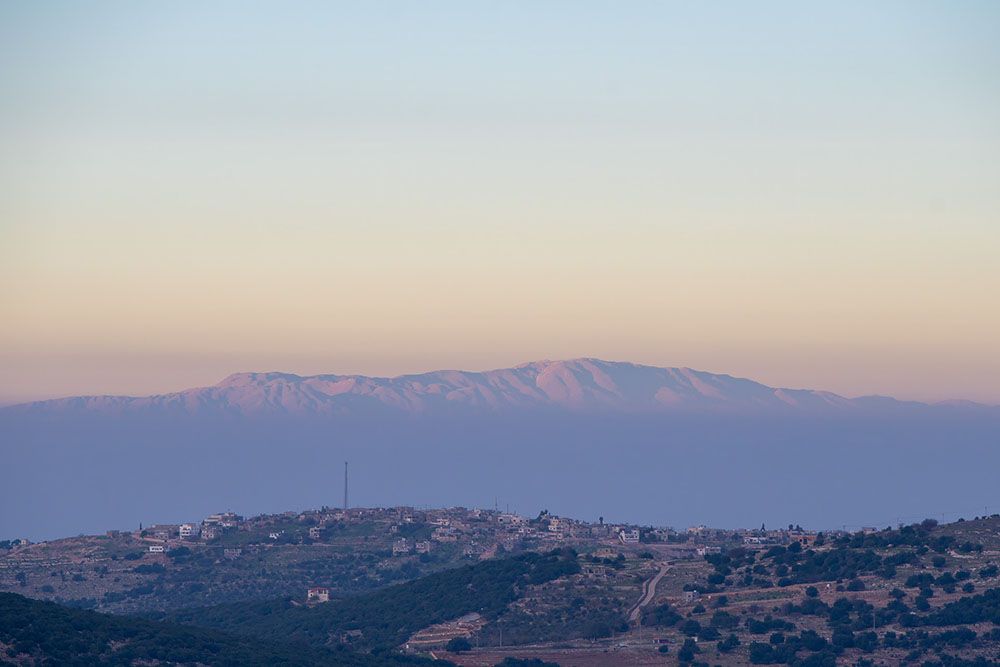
x=921 y=594
x=387 y=617
x=37 y=632
x=117 y=573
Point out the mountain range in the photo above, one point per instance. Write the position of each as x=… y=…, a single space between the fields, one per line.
x=577 y=385
x=584 y=437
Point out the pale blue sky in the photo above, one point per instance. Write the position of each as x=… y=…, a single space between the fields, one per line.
x=807 y=194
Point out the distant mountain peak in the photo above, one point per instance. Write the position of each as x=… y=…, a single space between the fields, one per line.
x=583 y=384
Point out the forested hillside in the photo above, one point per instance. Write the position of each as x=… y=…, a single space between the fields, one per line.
x=387 y=617
x=34 y=632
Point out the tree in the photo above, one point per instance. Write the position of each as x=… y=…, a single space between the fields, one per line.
x=724 y=620
x=691 y=627
x=729 y=643
x=761 y=654
x=686 y=654
x=597 y=630
x=458 y=645
x=811 y=591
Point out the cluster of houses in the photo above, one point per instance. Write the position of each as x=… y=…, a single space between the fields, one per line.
x=405 y=547
x=160 y=537
x=478 y=533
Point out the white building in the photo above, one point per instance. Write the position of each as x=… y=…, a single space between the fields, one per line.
x=318 y=594
x=629 y=536
x=557 y=525
x=156 y=548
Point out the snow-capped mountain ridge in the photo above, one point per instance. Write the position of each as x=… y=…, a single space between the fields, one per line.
x=585 y=385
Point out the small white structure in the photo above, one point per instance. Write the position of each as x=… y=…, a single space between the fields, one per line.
x=318 y=594
x=188 y=530
x=629 y=536
x=401 y=547
x=423 y=547
x=156 y=548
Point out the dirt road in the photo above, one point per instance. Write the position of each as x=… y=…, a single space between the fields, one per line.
x=648 y=593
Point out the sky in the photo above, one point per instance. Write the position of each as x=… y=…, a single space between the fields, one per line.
x=805 y=194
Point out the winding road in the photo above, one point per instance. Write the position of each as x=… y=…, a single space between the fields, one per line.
x=648 y=593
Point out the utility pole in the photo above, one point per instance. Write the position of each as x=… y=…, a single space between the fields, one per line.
x=345 y=486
